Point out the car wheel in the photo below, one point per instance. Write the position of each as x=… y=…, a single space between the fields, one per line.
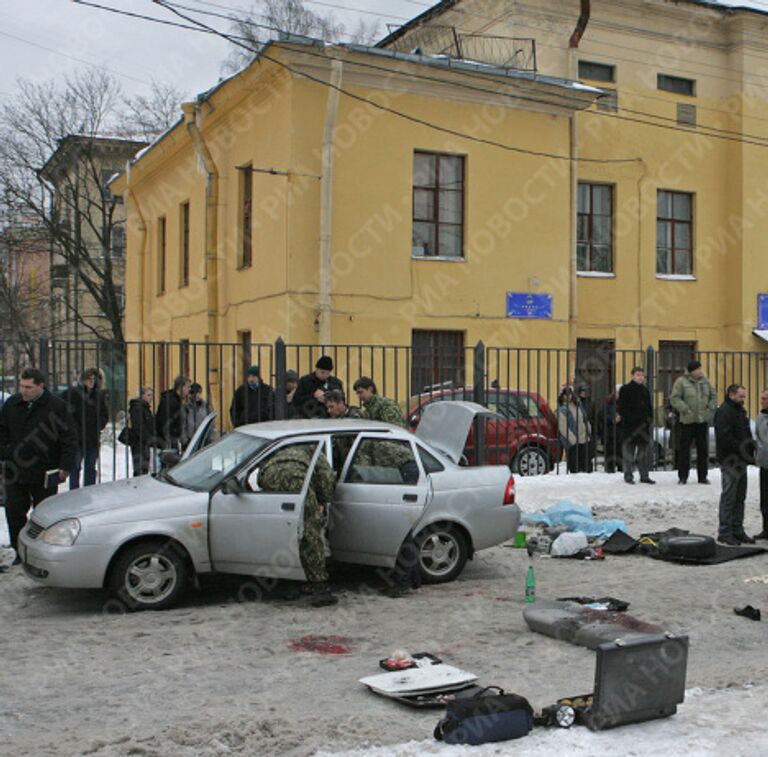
x=531 y=461
x=151 y=575
x=442 y=553
x=692 y=545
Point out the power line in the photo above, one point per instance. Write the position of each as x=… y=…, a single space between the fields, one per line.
x=372 y=103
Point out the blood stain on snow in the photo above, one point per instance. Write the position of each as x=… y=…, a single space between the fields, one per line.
x=322 y=644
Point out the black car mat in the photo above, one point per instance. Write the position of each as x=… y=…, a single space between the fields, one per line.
x=722 y=554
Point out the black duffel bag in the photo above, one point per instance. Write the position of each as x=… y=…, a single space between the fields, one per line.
x=485 y=718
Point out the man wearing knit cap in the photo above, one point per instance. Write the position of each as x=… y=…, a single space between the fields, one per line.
x=694 y=399
x=309 y=400
x=254 y=401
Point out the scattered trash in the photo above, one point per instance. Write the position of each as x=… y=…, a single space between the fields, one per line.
x=568 y=544
x=322 y=644
x=756 y=580
x=577 y=518
x=601 y=603
x=530 y=585
x=401 y=660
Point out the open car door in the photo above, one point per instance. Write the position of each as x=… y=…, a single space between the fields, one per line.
x=255 y=532
x=381 y=495
x=203 y=436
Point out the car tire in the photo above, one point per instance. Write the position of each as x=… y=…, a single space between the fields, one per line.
x=692 y=545
x=531 y=461
x=442 y=551
x=151 y=575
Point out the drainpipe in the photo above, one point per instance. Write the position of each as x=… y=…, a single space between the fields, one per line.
x=142 y=250
x=326 y=204
x=211 y=237
x=573 y=304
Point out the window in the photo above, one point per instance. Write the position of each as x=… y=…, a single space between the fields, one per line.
x=104 y=176
x=609 y=102
x=438 y=205
x=117 y=241
x=686 y=114
x=430 y=462
x=380 y=461
x=184 y=238
x=244 y=338
x=161 y=252
x=245 y=257
x=596 y=71
x=594 y=228
x=676 y=84
x=437 y=359
x=674 y=232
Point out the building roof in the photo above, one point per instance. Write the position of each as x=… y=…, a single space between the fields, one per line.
x=69 y=143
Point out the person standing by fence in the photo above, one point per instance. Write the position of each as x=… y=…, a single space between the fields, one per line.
x=37 y=435
x=635 y=413
x=376 y=407
x=141 y=434
x=309 y=399
x=169 y=419
x=87 y=403
x=253 y=401
x=196 y=410
x=574 y=431
x=761 y=458
x=693 y=398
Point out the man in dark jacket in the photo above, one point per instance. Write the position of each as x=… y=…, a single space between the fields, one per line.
x=141 y=434
x=309 y=399
x=635 y=414
x=169 y=419
x=87 y=403
x=735 y=450
x=36 y=436
x=254 y=401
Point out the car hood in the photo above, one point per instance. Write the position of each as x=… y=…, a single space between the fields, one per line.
x=445 y=425
x=93 y=499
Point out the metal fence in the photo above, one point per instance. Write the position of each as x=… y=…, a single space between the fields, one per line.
x=521 y=384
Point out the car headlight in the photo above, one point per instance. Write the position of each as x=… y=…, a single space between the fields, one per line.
x=63 y=533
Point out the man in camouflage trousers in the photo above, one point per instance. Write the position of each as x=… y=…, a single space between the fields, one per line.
x=376 y=407
x=286 y=471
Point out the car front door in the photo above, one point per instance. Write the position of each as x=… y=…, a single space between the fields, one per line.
x=256 y=532
x=381 y=495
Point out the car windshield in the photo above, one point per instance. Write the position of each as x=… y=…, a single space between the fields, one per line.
x=207 y=468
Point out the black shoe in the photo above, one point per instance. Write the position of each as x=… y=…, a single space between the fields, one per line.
x=748 y=612
x=681 y=482
x=324 y=599
x=761 y=535
x=704 y=481
x=397 y=592
x=16 y=560
x=729 y=541
x=745 y=539
x=629 y=480
x=647 y=481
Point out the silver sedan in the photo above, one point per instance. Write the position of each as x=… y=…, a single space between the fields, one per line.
x=145 y=538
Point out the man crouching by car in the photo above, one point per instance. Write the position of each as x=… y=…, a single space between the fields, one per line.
x=286 y=471
x=37 y=435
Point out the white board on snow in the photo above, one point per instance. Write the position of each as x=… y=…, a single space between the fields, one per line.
x=426 y=680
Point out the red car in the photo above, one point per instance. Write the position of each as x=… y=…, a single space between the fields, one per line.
x=526 y=439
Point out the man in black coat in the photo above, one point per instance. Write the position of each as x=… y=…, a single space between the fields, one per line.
x=169 y=419
x=87 y=404
x=141 y=432
x=735 y=449
x=36 y=435
x=309 y=399
x=253 y=401
x=635 y=414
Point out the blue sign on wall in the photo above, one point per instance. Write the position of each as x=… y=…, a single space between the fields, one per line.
x=528 y=305
x=762 y=311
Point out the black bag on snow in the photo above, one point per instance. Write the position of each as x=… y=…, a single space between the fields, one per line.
x=485 y=718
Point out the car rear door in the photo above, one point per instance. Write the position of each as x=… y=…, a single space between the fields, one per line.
x=257 y=532
x=381 y=495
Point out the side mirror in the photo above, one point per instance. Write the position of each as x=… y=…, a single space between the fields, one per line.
x=169 y=458
x=231 y=486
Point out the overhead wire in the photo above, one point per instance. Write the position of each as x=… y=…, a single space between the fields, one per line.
x=360 y=98
x=711 y=131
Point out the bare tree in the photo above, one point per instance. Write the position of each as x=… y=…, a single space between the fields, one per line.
x=58 y=143
x=274 y=17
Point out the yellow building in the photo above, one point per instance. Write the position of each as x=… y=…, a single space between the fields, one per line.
x=397 y=195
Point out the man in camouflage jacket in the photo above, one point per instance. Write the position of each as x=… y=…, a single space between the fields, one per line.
x=376 y=407
x=286 y=471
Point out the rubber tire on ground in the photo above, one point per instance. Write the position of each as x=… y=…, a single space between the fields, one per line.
x=168 y=557
x=443 y=537
x=692 y=545
x=522 y=467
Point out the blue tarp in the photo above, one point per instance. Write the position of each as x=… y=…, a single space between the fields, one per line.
x=576 y=517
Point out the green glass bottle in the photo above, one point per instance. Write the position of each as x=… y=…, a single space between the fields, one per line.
x=530 y=585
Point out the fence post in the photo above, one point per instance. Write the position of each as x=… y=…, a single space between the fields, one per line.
x=478 y=393
x=280 y=362
x=650 y=381
x=42 y=359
